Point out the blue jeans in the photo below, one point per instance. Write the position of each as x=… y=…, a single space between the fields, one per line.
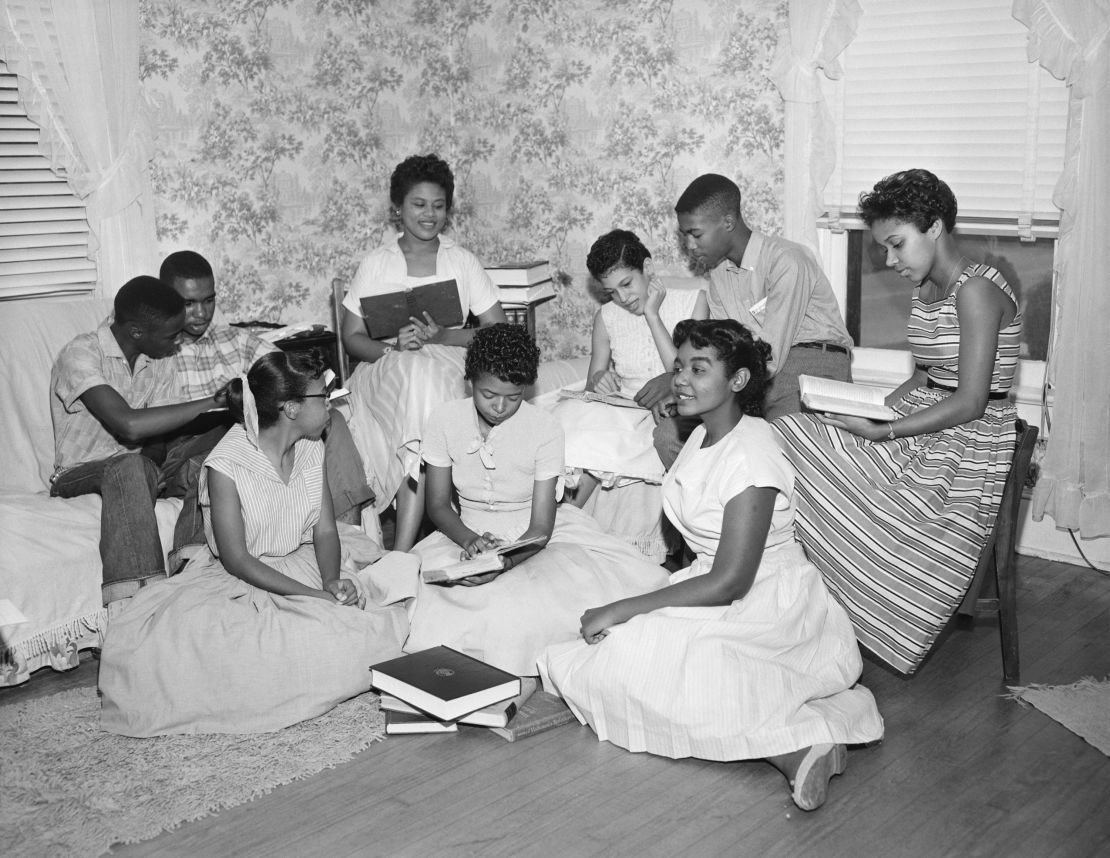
x=130 y=549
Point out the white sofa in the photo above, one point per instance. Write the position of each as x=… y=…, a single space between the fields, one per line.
x=49 y=547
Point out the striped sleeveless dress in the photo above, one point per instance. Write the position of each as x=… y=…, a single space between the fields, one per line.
x=896 y=527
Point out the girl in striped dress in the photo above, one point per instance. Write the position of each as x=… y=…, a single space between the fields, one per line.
x=267 y=627
x=608 y=445
x=401 y=379
x=895 y=514
x=745 y=655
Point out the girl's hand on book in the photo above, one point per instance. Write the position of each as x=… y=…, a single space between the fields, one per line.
x=870 y=429
x=427 y=329
x=478 y=580
x=607 y=382
x=478 y=545
x=655 y=295
x=408 y=339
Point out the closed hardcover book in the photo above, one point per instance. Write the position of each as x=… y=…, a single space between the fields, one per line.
x=843 y=397
x=387 y=313
x=495 y=715
x=519 y=273
x=524 y=295
x=540 y=712
x=444 y=682
x=397 y=723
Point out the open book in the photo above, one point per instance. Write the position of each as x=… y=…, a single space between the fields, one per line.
x=386 y=314
x=617 y=399
x=487 y=561
x=843 y=397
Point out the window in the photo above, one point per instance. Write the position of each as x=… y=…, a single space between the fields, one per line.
x=945 y=85
x=44 y=234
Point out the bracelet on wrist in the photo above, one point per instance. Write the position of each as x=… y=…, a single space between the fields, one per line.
x=890 y=432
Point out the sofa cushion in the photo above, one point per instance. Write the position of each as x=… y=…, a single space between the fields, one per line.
x=31 y=335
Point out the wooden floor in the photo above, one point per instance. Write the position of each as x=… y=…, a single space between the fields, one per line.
x=962 y=772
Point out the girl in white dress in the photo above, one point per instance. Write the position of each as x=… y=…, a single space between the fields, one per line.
x=503 y=458
x=745 y=655
x=608 y=445
x=401 y=379
x=265 y=628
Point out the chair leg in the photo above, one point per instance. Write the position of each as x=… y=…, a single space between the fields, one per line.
x=1006 y=576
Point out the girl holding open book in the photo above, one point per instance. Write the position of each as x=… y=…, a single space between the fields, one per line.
x=269 y=625
x=745 y=655
x=896 y=512
x=503 y=459
x=405 y=373
x=609 y=445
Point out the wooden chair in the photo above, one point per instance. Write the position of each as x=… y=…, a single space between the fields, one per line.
x=996 y=573
x=338 y=291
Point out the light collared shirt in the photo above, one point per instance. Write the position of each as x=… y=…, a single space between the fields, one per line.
x=218 y=355
x=385 y=270
x=799 y=308
x=91 y=360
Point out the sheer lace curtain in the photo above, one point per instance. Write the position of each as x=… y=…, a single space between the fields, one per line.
x=1071 y=38
x=78 y=63
x=817 y=33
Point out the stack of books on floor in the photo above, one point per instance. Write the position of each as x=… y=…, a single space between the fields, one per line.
x=435 y=690
x=522 y=283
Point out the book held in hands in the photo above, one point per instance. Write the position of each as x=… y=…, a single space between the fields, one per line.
x=387 y=313
x=444 y=682
x=487 y=561
x=842 y=397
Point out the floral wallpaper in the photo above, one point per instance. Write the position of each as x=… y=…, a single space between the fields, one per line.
x=278 y=122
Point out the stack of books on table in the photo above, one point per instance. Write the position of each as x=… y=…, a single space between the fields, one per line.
x=435 y=690
x=522 y=283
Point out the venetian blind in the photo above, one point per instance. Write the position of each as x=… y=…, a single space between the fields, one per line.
x=44 y=234
x=946 y=85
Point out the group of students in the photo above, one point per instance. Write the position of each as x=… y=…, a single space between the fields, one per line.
x=808 y=532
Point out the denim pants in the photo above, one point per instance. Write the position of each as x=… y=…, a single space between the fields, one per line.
x=130 y=550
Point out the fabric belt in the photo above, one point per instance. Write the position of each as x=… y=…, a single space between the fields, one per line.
x=825 y=347
x=992 y=395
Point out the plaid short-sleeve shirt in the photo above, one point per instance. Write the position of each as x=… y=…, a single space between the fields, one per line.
x=220 y=354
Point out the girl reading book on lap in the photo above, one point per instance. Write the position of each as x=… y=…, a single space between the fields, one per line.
x=404 y=373
x=934 y=472
x=503 y=459
x=608 y=445
x=745 y=655
x=269 y=625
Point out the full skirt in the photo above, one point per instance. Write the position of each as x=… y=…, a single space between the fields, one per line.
x=771 y=673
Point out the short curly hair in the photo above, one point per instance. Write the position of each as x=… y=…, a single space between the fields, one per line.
x=421 y=168
x=505 y=351
x=619 y=248
x=910 y=196
x=737 y=349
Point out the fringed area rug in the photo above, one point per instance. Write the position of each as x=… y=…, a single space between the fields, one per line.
x=69 y=788
x=1083 y=707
